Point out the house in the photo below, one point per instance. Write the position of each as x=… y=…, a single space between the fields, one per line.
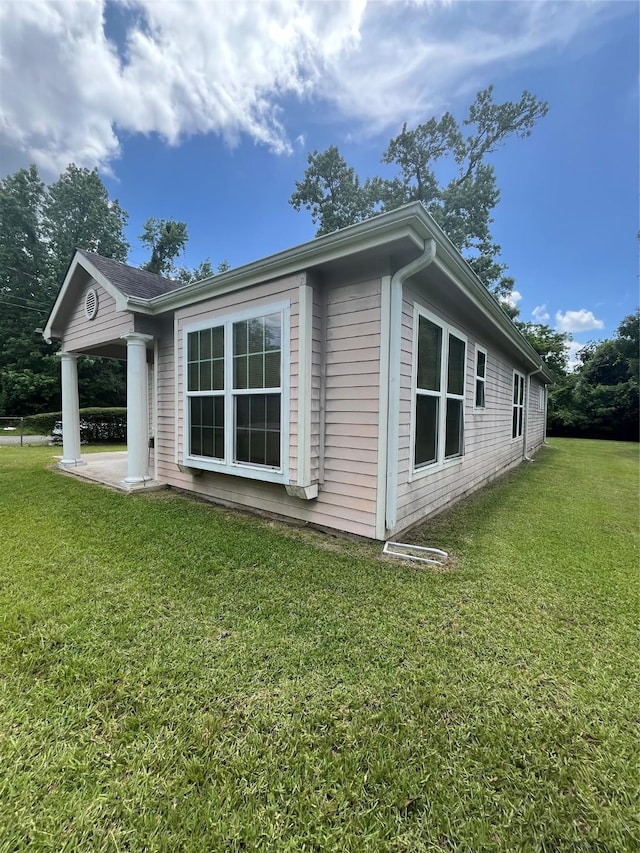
x=361 y=381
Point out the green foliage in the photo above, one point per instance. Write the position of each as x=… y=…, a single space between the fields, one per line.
x=333 y=193
x=601 y=398
x=78 y=214
x=179 y=677
x=549 y=344
x=40 y=228
x=336 y=197
x=166 y=239
x=44 y=422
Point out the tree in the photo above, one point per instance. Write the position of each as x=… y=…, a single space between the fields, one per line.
x=332 y=191
x=78 y=214
x=203 y=270
x=40 y=227
x=336 y=196
x=600 y=399
x=166 y=239
x=549 y=344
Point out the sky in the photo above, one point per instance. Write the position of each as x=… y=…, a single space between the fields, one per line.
x=204 y=111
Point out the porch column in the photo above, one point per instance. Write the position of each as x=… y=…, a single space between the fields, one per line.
x=70 y=410
x=137 y=408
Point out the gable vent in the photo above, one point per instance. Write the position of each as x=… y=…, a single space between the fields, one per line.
x=91 y=304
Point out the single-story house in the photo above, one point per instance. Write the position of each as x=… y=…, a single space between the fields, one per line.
x=361 y=381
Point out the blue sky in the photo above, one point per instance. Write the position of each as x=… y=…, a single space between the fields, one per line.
x=205 y=112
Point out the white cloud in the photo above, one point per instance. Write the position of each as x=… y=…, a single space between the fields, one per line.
x=577 y=321
x=573 y=348
x=69 y=93
x=513 y=298
x=540 y=314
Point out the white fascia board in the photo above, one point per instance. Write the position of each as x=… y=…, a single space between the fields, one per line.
x=362 y=237
x=79 y=260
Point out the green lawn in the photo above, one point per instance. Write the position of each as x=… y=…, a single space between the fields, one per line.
x=176 y=677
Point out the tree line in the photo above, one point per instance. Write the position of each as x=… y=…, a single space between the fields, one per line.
x=442 y=163
x=40 y=228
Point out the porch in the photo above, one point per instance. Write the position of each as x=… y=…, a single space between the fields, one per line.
x=109 y=469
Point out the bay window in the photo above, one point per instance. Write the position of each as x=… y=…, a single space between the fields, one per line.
x=236 y=385
x=439 y=385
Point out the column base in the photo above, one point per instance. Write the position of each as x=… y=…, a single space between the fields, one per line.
x=135 y=481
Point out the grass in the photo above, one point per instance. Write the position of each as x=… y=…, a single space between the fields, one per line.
x=177 y=677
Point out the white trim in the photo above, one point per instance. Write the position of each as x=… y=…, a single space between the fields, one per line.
x=305 y=344
x=383 y=398
x=395 y=366
x=176 y=392
x=229 y=466
x=521 y=406
x=483 y=379
x=440 y=462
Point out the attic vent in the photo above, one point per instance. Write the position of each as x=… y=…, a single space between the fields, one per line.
x=91 y=304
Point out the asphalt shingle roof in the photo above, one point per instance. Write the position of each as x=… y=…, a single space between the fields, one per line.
x=130 y=280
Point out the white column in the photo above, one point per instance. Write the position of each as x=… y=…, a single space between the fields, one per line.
x=70 y=410
x=137 y=408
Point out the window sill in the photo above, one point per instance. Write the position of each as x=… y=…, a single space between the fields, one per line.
x=249 y=472
x=426 y=470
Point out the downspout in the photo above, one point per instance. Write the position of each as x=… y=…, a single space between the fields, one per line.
x=395 y=344
x=525 y=456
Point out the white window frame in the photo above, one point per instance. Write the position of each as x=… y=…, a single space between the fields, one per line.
x=228 y=465
x=518 y=404
x=426 y=468
x=541 y=398
x=482 y=379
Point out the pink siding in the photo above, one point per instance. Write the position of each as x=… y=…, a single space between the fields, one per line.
x=108 y=324
x=489 y=448
x=344 y=393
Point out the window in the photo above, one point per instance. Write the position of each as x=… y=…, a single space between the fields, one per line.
x=541 y=392
x=517 y=421
x=439 y=371
x=481 y=378
x=235 y=389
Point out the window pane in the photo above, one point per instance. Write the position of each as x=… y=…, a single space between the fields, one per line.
x=205 y=376
x=240 y=371
x=258 y=429
x=192 y=346
x=240 y=338
x=479 y=393
x=272 y=370
x=194 y=377
x=218 y=342
x=218 y=375
x=429 y=355
x=256 y=335
x=515 y=388
x=207 y=427
x=272 y=333
x=521 y=399
x=455 y=369
x=453 y=434
x=426 y=429
x=481 y=361
x=256 y=371
x=514 y=424
x=205 y=344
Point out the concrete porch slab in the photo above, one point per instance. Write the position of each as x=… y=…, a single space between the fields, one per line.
x=108 y=469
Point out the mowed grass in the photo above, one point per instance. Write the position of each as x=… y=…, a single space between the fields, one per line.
x=178 y=677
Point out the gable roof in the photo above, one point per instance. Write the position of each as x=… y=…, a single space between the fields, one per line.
x=411 y=226
x=131 y=281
